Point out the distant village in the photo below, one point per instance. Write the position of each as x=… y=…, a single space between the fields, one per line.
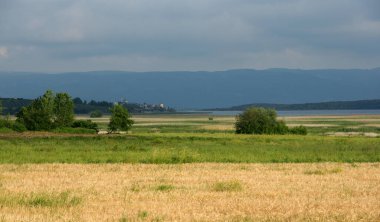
x=145 y=107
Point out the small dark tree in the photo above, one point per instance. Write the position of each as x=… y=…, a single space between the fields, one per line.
x=259 y=121
x=63 y=110
x=120 y=119
x=96 y=114
x=77 y=100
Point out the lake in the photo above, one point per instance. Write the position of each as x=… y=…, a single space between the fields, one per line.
x=305 y=112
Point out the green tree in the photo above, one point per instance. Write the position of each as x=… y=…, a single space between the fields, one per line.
x=39 y=114
x=120 y=119
x=47 y=111
x=259 y=121
x=63 y=110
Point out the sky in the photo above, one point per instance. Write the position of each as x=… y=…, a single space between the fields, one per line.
x=188 y=35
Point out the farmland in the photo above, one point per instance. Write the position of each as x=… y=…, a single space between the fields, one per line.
x=194 y=168
x=190 y=192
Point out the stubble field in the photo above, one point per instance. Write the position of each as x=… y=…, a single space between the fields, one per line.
x=190 y=192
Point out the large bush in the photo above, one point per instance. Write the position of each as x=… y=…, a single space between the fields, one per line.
x=263 y=121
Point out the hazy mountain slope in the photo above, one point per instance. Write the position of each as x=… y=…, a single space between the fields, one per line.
x=202 y=89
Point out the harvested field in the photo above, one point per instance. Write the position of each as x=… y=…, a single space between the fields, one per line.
x=190 y=192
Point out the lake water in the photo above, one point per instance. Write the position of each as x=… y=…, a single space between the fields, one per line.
x=305 y=112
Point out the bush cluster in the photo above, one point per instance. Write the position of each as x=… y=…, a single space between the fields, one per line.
x=263 y=121
x=85 y=124
x=13 y=125
x=96 y=114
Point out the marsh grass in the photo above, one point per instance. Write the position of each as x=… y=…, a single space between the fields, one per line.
x=164 y=187
x=227 y=186
x=52 y=200
x=142 y=214
x=323 y=171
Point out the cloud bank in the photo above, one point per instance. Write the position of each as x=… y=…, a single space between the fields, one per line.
x=143 y=35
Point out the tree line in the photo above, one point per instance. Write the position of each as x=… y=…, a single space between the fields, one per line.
x=56 y=110
x=13 y=105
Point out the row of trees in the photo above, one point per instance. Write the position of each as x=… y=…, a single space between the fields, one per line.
x=51 y=111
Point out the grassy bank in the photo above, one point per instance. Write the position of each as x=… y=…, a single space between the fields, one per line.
x=188 y=148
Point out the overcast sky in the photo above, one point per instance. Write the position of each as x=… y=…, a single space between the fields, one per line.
x=147 y=35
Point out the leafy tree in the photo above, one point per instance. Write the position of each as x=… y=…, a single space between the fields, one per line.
x=63 y=110
x=259 y=121
x=38 y=115
x=47 y=111
x=120 y=119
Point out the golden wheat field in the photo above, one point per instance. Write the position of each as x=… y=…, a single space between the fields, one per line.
x=190 y=192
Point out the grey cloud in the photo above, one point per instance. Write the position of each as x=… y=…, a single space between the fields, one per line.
x=190 y=34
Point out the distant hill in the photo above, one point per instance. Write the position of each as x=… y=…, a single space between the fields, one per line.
x=201 y=89
x=336 y=105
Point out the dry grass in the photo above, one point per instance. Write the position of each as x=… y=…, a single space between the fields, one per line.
x=221 y=127
x=193 y=192
x=310 y=124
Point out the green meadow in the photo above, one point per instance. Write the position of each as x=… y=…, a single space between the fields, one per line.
x=189 y=148
x=172 y=139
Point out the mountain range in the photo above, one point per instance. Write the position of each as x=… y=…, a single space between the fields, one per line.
x=201 y=90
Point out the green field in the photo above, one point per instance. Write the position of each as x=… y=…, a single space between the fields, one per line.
x=189 y=148
x=196 y=139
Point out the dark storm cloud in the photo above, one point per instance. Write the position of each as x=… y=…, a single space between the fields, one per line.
x=188 y=34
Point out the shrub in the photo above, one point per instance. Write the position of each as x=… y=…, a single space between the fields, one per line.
x=4 y=123
x=259 y=121
x=300 y=130
x=281 y=128
x=96 y=114
x=86 y=124
x=18 y=127
x=12 y=125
